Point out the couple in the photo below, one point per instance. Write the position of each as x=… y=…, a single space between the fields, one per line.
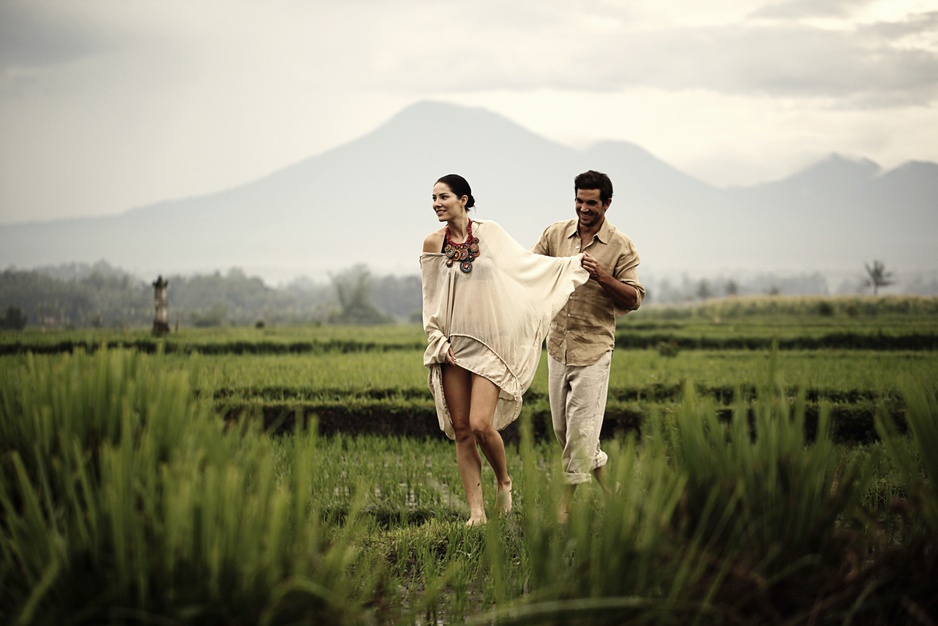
x=487 y=305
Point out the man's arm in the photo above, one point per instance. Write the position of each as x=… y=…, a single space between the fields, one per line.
x=541 y=246
x=624 y=296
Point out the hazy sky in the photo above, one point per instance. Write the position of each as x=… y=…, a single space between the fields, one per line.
x=110 y=104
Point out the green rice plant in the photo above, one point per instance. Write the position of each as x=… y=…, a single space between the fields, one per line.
x=774 y=512
x=711 y=522
x=438 y=565
x=228 y=340
x=416 y=512
x=341 y=372
x=125 y=498
x=646 y=371
x=908 y=574
x=155 y=512
x=614 y=561
x=69 y=406
x=919 y=465
x=795 y=305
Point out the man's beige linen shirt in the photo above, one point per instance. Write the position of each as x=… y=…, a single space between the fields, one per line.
x=585 y=328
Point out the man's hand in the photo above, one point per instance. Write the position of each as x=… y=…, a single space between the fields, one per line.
x=622 y=294
x=591 y=265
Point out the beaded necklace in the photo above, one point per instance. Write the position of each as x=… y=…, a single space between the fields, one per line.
x=464 y=253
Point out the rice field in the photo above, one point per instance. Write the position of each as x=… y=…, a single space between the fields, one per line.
x=158 y=485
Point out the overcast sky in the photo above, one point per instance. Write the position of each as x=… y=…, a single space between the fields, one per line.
x=106 y=105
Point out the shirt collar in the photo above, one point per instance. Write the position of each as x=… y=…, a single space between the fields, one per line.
x=603 y=236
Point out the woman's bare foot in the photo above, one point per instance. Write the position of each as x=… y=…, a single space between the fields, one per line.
x=503 y=498
x=476 y=520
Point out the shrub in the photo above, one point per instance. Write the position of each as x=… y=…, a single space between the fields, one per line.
x=13 y=319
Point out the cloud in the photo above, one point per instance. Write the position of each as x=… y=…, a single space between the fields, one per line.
x=797 y=9
x=402 y=47
x=106 y=104
x=917 y=24
x=32 y=35
x=614 y=53
x=783 y=61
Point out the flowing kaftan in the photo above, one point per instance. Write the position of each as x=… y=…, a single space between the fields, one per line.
x=494 y=317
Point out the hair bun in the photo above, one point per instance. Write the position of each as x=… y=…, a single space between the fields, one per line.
x=459 y=186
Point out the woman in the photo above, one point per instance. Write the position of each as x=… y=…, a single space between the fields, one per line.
x=487 y=304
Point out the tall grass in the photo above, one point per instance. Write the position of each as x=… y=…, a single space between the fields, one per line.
x=124 y=499
x=747 y=522
x=774 y=513
x=909 y=565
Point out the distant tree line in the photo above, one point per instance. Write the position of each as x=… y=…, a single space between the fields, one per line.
x=697 y=289
x=672 y=290
x=101 y=296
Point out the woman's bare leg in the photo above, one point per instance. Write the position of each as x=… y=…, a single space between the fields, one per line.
x=484 y=398
x=457 y=387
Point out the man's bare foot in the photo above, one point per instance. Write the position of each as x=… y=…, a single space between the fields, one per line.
x=503 y=499
x=562 y=515
x=600 y=475
x=563 y=511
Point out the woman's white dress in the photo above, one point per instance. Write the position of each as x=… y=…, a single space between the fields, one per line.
x=494 y=317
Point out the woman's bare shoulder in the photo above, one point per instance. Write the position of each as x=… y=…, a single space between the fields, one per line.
x=434 y=241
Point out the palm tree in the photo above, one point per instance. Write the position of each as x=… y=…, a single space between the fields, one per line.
x=354 y=291
x=877 y=276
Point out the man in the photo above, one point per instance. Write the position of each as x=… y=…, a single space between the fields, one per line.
x=582 y=335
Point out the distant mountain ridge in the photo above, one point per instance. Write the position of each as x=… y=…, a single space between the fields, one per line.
x=368 y=202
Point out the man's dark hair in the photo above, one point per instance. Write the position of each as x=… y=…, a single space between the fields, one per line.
x=594 y=180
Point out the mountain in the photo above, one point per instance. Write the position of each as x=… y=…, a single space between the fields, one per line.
x=368 y=202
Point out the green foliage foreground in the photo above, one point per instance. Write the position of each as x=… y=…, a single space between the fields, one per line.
x=125 y=500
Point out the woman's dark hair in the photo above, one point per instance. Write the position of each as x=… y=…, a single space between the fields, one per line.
x=594 y=180
x=459 y=186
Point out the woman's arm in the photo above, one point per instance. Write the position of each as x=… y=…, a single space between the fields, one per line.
x=438 y=347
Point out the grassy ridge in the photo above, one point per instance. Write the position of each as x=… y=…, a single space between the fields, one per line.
x=664 y=341
x=385 y=391
x=905 y=323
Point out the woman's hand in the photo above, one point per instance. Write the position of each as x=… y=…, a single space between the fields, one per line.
x=450 y=357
